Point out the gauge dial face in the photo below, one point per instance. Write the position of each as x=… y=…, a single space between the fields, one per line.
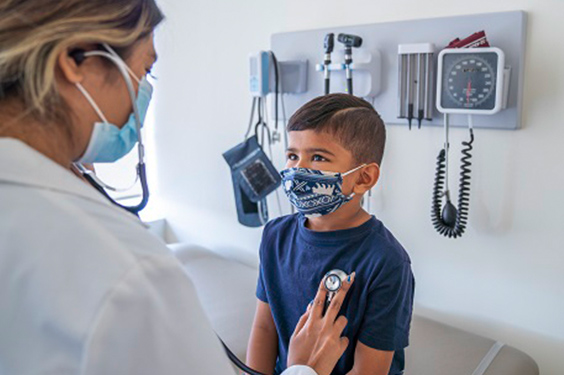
x=469 y=81
x=332 y=283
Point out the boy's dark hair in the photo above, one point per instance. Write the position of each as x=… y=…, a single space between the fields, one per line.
x=353 y=122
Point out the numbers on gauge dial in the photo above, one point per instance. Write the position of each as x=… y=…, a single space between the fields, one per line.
x=469 y=81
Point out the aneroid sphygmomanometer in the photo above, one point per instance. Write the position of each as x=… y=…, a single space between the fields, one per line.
x=254 y=178
x=470 y=82
x=253 y=174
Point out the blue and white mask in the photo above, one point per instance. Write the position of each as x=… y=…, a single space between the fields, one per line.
x=315 y=193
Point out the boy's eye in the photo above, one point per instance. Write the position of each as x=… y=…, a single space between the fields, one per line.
x=318 y=158
x=292 y=157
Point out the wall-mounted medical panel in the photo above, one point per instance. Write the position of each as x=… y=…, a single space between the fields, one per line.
x=367 y=68
x=376 y=64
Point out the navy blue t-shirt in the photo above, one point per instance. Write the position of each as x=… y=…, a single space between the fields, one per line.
x=378 y=306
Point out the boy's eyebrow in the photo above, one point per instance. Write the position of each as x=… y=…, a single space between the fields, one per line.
x=313 y=150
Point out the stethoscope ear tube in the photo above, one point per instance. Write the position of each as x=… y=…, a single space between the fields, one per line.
x=142 y=174
x=144 y=189
x=237 y=362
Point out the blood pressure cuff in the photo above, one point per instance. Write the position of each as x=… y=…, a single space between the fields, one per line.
x=254 y=177
x=252 y=170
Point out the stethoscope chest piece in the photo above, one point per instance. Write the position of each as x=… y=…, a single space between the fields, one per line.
x=334 y=280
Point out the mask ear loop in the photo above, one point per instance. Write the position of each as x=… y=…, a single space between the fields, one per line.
x=352 y=171
x=92 y=102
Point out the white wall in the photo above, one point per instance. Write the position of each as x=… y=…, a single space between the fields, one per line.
x=503 y=279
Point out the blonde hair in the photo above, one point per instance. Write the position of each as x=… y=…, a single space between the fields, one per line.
x=33 y=33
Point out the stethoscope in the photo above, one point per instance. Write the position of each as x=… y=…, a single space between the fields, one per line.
x=141 y=174
x=99 y=185
x=333 y=282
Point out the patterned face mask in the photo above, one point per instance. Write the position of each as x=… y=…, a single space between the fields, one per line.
x=315 y=193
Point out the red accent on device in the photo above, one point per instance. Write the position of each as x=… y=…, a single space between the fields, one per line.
x=475 y=40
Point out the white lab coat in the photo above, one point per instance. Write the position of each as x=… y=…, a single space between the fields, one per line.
x=85 y=288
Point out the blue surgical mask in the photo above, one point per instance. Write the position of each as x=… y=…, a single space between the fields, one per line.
x=108 y=142
x=315 y=193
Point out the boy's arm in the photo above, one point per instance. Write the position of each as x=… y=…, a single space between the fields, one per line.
x=386 y=322
x=262 y=350
x=368 y=361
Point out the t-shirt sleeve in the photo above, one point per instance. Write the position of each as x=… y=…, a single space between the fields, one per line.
x=261 y=291
x=388 y=314
x=263 y=256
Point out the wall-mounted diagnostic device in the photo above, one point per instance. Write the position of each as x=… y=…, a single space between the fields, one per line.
x=470 y=82
x=265 y=72
x=328 y=45
x=415 y=82
x=253 y=174
x=380 y=63
x=349 y=41
x=366 y=68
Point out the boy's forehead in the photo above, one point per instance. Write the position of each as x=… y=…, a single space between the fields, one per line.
x=310 y=139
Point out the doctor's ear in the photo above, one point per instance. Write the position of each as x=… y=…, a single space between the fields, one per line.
x=77 y=54
x=70 y=63
x=368 y=176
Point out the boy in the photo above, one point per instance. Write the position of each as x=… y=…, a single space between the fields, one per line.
x=337 y=133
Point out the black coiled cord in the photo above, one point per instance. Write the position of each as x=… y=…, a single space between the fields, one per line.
x=449 y=221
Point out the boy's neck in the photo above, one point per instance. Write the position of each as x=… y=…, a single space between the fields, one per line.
x=338 y=220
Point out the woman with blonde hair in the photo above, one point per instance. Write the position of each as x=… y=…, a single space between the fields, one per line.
x=85 y=289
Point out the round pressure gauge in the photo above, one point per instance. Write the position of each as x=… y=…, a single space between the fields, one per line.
x=470 y=80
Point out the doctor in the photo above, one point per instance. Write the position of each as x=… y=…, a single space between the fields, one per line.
x=85 y=289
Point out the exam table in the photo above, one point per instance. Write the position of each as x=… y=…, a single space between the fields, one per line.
x=226 y=288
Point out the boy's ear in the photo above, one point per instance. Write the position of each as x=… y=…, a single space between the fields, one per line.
x=368 y=177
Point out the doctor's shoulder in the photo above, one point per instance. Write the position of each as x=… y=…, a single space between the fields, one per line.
x=84 y=251
x=72 y=231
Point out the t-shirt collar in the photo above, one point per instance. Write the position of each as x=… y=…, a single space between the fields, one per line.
x=337 y=236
